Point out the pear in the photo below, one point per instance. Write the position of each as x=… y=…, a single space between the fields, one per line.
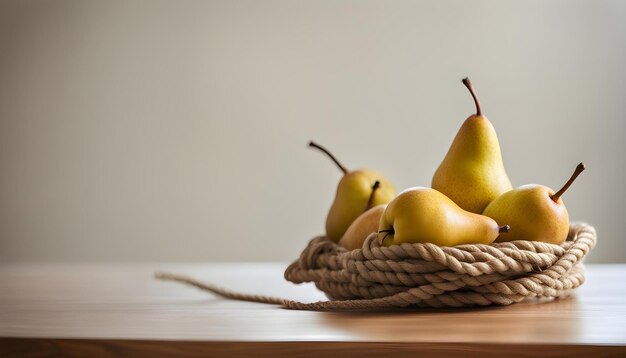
x=472 y=173
x=536 y=212
x=420 y=215
x=353 y=193
x=364 y=225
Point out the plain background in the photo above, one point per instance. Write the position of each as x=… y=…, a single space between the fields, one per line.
x=177 y=130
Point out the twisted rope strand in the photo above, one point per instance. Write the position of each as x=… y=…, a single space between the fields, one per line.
x=218 y=290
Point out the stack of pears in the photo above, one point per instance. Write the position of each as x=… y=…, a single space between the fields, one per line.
x=471 y=200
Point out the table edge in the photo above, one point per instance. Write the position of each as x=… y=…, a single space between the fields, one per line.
x=29 y=346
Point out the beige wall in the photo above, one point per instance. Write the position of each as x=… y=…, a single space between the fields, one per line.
x=177 y=130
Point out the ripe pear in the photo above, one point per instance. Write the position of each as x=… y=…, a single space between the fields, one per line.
x=364 y=225
x=472 y=173
x=536 y=212
x=420 y=215
x=353 y=193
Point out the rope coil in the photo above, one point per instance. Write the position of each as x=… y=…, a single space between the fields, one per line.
x=427 y=275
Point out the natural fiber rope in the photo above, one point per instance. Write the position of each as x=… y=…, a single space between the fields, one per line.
x=427 y=275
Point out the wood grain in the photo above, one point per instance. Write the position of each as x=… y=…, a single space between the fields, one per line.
x=106 y=309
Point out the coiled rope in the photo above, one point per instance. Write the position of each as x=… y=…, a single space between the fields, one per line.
x=427 y=275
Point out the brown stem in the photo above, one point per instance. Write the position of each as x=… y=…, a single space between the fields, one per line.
x=387 y=232
x=332 y=157
x=579 y=169
x=505 y=228
x=468 y=84
x=370 y=200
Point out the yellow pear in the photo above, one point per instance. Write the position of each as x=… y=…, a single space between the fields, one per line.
x=420 y=215
x=472 y=173
x=535 y=211
x=353 y=193
x=362 y=227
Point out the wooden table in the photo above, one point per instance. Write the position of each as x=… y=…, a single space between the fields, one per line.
x=110 y=309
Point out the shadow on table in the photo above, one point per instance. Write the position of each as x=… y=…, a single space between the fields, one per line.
x=536 y=320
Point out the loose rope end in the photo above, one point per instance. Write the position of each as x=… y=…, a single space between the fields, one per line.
x=161 y=276
x=165 y=276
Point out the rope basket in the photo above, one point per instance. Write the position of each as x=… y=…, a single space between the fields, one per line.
x=427 y=275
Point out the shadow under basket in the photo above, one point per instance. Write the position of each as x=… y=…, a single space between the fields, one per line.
x=427 y=275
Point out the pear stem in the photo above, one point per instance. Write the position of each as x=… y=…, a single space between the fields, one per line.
x=387 y=232
x=505 y=228
x=468 y=84
x=579 y=169
x=332 y=157
x=370 y=200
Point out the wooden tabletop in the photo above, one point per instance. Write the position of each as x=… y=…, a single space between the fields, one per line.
x=108 y=309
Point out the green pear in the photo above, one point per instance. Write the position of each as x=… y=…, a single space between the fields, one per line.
x=352 y=197
x=536 y=212
x=421 y=215
x=472 y=173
